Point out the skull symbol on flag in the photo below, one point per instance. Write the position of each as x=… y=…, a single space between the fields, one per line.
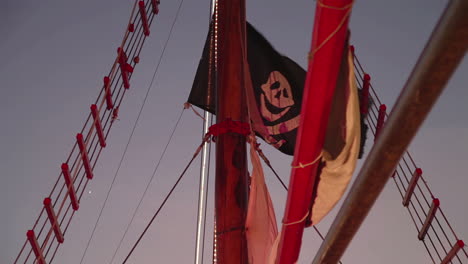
x=276 y=99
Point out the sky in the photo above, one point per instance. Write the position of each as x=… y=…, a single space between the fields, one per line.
x=55 y=53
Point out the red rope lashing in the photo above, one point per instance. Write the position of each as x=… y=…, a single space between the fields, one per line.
x=229 y=126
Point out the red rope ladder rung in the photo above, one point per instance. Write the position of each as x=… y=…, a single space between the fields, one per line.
x=108 y=93
x=84 y=156
x=53 y=219
x=453 y=252
x=35 y=247
x=125 y=68
x=380 y=120
x=71 y=189
x=97 y=124
x=410 y=190
x=430 y=216
x=144 y=17
x=365 y=94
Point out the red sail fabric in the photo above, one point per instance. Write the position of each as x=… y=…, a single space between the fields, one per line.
x=261 y=227
x=260 y=223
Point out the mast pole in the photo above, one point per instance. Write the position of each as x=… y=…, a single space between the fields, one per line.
x=204 y=171
x=328 y=39
x=202 y=193
x=231 y=187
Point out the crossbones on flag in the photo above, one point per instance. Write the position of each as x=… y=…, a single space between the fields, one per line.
x=277 y=84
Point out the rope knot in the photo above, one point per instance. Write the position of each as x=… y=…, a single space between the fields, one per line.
x=302 y=165
x=229 y=126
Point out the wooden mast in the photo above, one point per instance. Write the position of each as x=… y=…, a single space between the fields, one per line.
x=231 y=188
x=328 y=38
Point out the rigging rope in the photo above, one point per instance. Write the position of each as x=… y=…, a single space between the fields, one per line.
x=147 y=187
x=205 y=139
x=130 y=139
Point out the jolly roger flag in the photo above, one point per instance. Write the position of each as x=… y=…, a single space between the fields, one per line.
x=277 y=84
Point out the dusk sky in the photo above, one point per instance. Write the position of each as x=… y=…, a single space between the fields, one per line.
x=55 y=54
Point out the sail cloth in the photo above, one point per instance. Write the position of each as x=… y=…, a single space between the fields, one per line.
x=260 y=224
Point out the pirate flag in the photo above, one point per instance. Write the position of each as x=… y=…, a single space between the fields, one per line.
x=276 y=95
x=277 y=83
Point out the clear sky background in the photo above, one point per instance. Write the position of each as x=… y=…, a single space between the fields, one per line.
x=55 y=53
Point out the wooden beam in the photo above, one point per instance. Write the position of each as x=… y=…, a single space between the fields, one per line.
x=231 y=188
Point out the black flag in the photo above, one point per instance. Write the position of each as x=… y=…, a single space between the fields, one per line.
x=277 y=83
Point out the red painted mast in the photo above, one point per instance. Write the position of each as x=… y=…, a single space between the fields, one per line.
x=231 y=189
x=328 y=39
